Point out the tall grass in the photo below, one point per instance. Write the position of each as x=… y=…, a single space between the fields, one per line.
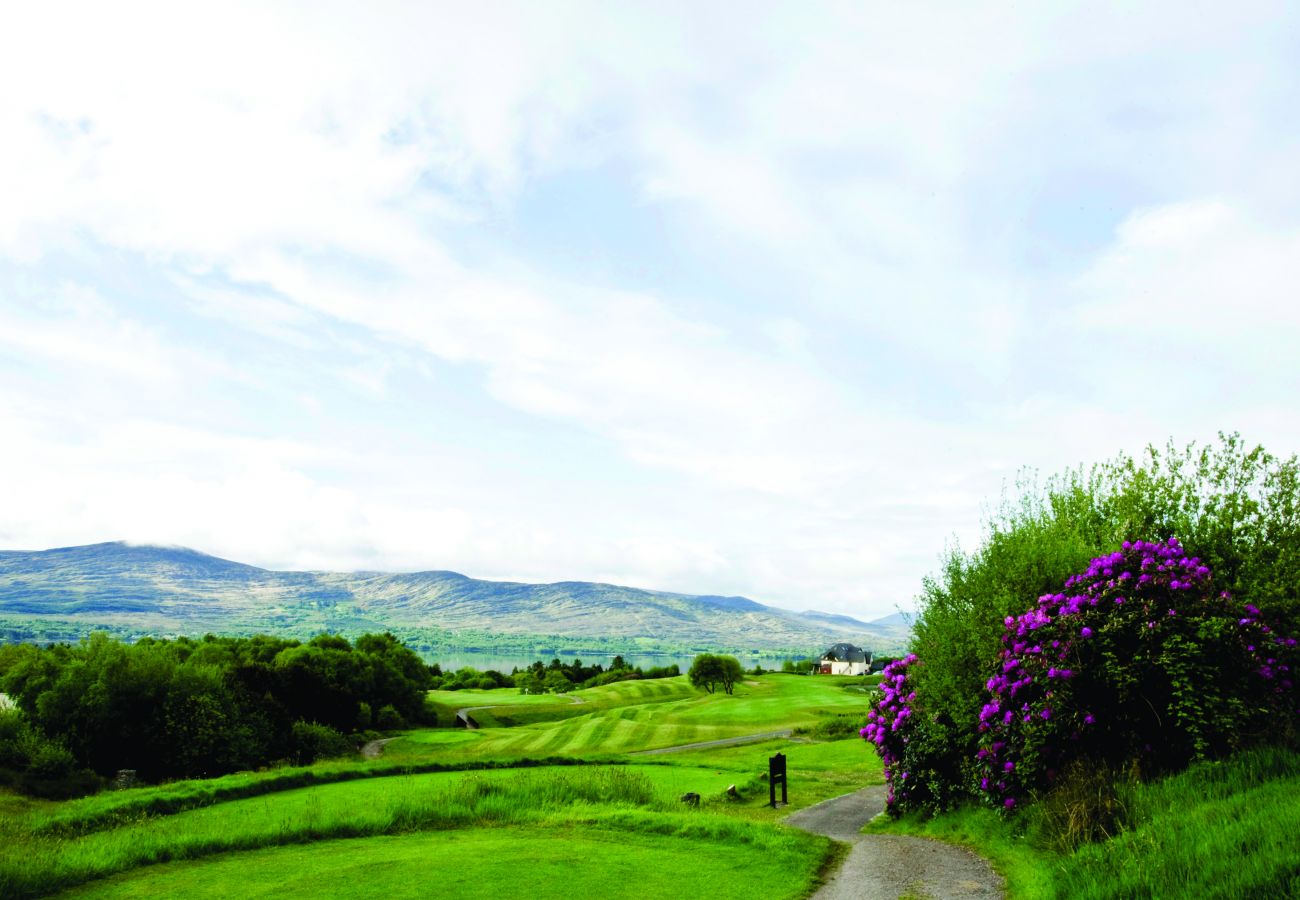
x=1219 y=829
x=120 y=807
x=1225 y=829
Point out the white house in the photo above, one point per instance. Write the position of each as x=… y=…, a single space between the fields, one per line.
x=844 y=659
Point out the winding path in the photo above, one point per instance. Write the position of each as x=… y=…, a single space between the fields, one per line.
x=372 y=749
x=887 y=866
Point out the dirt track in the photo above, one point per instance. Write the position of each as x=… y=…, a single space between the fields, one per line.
x=372 y=749
x=888 y=866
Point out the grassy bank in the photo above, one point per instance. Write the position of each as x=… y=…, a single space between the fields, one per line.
x=1224 y=829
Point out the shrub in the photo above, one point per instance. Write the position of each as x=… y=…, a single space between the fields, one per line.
x=890 y=728
x=311 y=741
x=1237 y=509
x=13 y=733
x=1112 y=670
x=50 y=762
x=835 y=727
x=389 y=719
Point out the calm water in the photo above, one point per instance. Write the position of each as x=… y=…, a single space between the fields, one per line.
x=482 y=661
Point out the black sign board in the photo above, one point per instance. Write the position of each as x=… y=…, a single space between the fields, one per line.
x=775 y=773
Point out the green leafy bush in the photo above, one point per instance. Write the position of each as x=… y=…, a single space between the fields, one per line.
x=1237 y=509
x=312 y=741
x=389 y=719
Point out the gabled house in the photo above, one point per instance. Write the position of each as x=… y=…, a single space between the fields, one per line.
x=844 y=659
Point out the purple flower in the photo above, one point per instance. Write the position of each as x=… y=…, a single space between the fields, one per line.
x=1085 y=631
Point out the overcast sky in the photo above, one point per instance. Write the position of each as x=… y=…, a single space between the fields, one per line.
x=712 y=297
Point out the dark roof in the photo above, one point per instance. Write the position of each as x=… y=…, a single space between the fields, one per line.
x=846 y=653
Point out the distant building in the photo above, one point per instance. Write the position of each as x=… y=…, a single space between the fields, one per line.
x=844 y=659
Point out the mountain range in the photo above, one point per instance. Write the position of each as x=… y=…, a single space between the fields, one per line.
x=145 y=589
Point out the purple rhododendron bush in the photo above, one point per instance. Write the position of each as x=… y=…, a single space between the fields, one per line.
x=1140 y=664
x=1064 y=651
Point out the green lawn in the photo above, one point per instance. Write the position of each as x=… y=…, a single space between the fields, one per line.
x=489 y=863
x=636 y=715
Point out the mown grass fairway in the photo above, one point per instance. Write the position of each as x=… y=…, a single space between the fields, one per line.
x=487 y=863
x=638 y=715
x=609 y=825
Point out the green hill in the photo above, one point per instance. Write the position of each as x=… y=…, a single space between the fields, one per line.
x=176 y=590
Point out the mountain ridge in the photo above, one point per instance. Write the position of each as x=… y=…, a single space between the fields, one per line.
x=181 y=590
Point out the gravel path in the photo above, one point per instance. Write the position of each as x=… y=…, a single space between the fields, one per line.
x=723 y=742
x=888 y=866
x=372 y=749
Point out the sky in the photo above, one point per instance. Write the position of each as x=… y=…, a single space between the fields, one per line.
x=761 y=299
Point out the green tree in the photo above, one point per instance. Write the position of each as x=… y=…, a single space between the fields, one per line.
x=732 y=672
x=708 y=671
x=705 y=671
x=528 y=682
x=556 y=682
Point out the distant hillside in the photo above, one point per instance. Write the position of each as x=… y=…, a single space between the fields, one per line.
x=174 y=590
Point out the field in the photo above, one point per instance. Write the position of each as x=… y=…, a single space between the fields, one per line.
x=551 y=795
x=634 y=715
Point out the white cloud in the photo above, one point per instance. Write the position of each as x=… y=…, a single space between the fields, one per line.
x=328 y=181
x=1201 y=290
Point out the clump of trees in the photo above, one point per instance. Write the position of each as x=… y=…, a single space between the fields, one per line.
x=197 y=708
x=710 y=671
x=1079 y=641
x=467 y=678
x=560 y=678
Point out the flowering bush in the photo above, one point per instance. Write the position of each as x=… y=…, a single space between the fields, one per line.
x=921 y=769
x=888 y=725
x=1138 y=662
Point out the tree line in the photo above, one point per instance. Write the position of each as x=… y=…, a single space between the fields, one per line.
x=555 y=677
x=197 y=708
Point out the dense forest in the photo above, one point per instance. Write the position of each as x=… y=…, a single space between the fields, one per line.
x=181 y=708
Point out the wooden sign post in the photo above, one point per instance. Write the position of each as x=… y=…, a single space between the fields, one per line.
x=775 y=773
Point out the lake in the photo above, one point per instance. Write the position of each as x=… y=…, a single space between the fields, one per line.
x=504 y=663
